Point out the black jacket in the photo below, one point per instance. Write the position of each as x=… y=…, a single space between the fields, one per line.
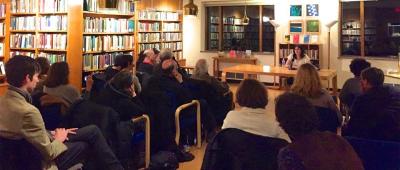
x=234 y=149
x=376 y=115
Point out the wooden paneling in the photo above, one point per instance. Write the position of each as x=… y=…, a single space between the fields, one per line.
x=362 y=29
x=169 y=5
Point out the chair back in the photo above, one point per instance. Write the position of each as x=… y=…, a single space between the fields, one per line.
x=51 y=115
x=236 y=149
x=19 y=155
x=376 y=154
x=328 y=118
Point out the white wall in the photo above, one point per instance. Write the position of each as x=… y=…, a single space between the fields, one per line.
x=194 y=35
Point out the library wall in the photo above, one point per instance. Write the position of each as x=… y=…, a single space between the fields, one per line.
x=194 y=39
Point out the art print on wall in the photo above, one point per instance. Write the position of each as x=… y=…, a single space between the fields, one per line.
x=296 y=27
x=295 y=10
x=312 y=10
x=312 y=26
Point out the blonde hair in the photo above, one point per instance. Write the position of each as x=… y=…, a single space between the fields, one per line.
x=307 y=82
x=201 y=68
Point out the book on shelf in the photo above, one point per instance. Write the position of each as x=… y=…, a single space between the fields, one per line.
x=108 y=25
x=171 y=27
x=51 y=6
x=306 y=39
x=296 y=38
x=148 y=46
x=314 y=39
x=22 y=40
x=123 y=7
x=214 y=20
x=172 y=37
x=1 y=49
x=53 y=58
x=158 y=15
x=23 y=6
x=2 y=70
x=2 y=10
x=24 y=53
x=27 y=23
x=100 y=61
x=173 y=46
x=53 y=41
x=53 y=23
x=148 y=37
x=107 y=43
x=149 y=26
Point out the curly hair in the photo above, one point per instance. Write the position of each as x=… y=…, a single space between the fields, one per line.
x=307 y=82
x=357 y=65
x=295 y=114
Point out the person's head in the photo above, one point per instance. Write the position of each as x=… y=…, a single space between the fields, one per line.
x=122 y=82
x=371 y=77
x=252 y=93
x=44 y=65
x=156 y=55
x=22 y=71
x=123 y=61
x=307 y=82
x=357 y=65
x=295 y=114
x=57 y=75
x=169 y=67
x=166 y=54
x=150 y=56
x=201 y=67
x=298 y=51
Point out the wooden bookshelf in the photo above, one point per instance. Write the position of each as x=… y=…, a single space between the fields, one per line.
x=4 y=40
x=312 y=50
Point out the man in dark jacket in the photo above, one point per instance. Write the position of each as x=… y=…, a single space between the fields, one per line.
x=376 y=113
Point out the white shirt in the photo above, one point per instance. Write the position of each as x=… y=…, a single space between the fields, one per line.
x=255 y=121
x=297 y=63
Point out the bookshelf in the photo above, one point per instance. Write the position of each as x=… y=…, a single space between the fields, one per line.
x=160 y=29
x=312 y=50
x=3 y=32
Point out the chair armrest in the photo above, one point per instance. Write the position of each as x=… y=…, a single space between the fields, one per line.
x=146 y=119
x=198 y=121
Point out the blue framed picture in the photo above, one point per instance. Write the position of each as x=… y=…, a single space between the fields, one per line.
x=312 y=10
x=295 y=10
x=295 y=26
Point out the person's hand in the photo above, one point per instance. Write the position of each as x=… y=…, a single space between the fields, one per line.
x=178 y=76
x=89 y=82
x=72 y=131
x=60 y=134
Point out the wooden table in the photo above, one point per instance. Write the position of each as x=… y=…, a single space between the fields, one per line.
x=393 y=75
x=247 y=69
x=218 y=60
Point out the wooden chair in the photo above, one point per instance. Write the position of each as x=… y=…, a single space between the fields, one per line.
x=198 y=121
x=146 y=119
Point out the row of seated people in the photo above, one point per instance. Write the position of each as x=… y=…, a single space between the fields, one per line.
x=117 y=96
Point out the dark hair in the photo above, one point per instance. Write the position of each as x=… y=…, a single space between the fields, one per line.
x=302 y=54
x=141 y=57
x=295 y=114
x=18 y=67
x=44 y=65
x=121 y=81
x=252 y=93
x=357 y=65
x=123 y=60
x=156 y=51
x=374 y=76
x=57 y=75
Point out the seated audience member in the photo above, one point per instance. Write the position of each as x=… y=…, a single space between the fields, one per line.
x=308 y=84
x=297 y=58
x=352 y=87
x=44 y=67
x=310 y=148
x=375 y=113
x=62 y=148
x=167 y=54
x=252 y=117
x=120 y=95
x=149 y=61
x=57 y=83
x=217 y=94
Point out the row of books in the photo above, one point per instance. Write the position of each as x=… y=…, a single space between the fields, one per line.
x=234 y=35
x=121 y=6
x=147 y=46
x=108 y=25
x=22 y=41
x=213 y=44
x=23 y=23
x=350 y=32
x=21 y=6
x=171 y=27
x=2 y=28
x=53 y=58
x=2 y=10
x=96 y=62
x=52 y=41
x=1 y=49
x=53 y=5
x=158 y=15
x=172 y=36
x=214 y=36
x=351 y=38
x=301 y=39
x=351 y=24
x=149 y=26
x=25 y=53
x=107 y=43
x=149 y=37
x=53 y=23
x=312 y=53
x=173 y=46
x=235 y=28
x=214 y=20
x=214 y=28
x=232 y=20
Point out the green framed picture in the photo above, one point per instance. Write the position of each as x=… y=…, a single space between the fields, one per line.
x=312 y=26
x=295 y=10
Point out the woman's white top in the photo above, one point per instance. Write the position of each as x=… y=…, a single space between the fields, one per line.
x=255 y=121
x=297 y=63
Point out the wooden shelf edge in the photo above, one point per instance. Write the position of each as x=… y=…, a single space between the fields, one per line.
x=22 y=31
x=53 y=32
x=153 y=42
x=22 y=13
x=23 y=49
x=51 y=50
x=106 y=33
x=107 y=14
x=53 y=13
x=110 y=51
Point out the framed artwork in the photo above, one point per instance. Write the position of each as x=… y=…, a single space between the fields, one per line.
x=295 y=10
x=296 y=26
x=312 y=10
x=312 y=26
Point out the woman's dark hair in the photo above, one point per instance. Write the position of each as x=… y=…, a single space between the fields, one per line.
x=18 y=67
x=252 y=93
x=302 y=53
x=123 y=60
x=295 y=114
x=44 y=65
x=121 y=81
x=357 y=65
x=57 y=75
